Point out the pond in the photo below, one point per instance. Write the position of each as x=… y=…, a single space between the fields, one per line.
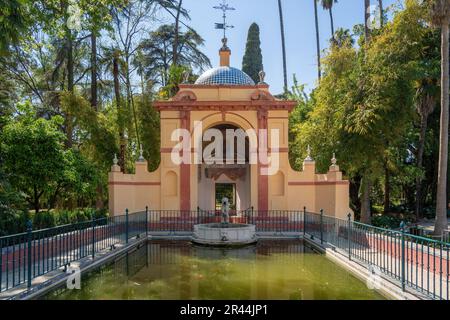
x=166 y=270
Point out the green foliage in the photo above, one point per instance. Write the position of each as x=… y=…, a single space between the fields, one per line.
x=327 y=4
x=14 y=21
x=300 y=114
x=7 y=96
x=149 y=126
x=252 y=62
x=157 y=53
x=13 y=213
x=98 y=131
x=37 y=164
x=33 y=155
x=98 y=13
x=176 y=77
x=343 y=38
x=387 y=222
x=364 y=108
x=79 y=180
x=54 y=218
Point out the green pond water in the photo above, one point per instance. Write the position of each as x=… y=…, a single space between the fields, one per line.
x=278 y=270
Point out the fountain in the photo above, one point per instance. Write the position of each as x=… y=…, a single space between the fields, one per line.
x=224 y=234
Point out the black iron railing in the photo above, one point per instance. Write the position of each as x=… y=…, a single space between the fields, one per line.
x=178 y=222
x=418 y=263
x=26 y=256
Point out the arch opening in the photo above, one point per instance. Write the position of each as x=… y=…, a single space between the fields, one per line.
x=225 y=162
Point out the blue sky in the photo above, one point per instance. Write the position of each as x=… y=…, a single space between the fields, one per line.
x=299 y=28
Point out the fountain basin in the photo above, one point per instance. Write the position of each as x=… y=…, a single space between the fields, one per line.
x=224 y=234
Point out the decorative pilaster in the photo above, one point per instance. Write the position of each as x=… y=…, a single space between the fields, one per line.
x=263 y=180
x=185 y=171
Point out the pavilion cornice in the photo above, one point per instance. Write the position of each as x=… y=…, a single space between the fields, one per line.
x=224 y=105
x=221 y=86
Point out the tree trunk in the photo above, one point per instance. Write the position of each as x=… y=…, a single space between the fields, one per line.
x=355 y=187
x=420 y=151
x=367 y=20
x=332 y=23
x=387 y=189
x=380 y=4
x=130 y=100
x=177 y=34
x=119 y=111
x=94 y=98
x=316 y=16
x=70 y=86
x=36 y=204
x=441 y=202
x=70 y=63
x=283 y=45
x=94 y=105
x=365 y=200
x=99 y=203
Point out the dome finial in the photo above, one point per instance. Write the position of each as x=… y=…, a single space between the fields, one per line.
x=225 y=45
x=225 y=54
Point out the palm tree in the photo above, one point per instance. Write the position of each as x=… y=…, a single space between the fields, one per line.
x=440 y=16
x=113 y=62
x=283 y=45
x=366 y=19
x=94 y=84
x=425 y=104
x=366 y=183
x=177 y=33
x=328 y=5
x=380 y=4
x=343 y=38
x=316 y=16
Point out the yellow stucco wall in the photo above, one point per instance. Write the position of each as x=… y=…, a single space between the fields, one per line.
x=288 y=189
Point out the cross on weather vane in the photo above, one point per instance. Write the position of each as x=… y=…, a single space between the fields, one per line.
x=224 y=7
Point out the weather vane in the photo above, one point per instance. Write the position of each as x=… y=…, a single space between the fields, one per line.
x=224 y=7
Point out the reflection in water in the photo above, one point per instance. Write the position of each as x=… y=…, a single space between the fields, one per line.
x=285 y=270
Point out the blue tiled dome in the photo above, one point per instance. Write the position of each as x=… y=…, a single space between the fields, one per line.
x=225 y=75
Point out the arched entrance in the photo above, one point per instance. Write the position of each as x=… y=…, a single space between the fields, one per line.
x=225 y=168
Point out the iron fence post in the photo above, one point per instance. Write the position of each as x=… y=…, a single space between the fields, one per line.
x=402 y=229
x=304 y=222
x=126 y=226
x=93 y=236
x=29 y=237
x=252 y=218
x=146 y=221
x=321 y=226
x=198 y=215
x=349 y=236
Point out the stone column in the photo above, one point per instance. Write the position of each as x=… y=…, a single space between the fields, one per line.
x=113 y=176
x=185 y=170
x=263 y=180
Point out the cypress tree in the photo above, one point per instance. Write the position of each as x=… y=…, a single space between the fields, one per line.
x=252 y=63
